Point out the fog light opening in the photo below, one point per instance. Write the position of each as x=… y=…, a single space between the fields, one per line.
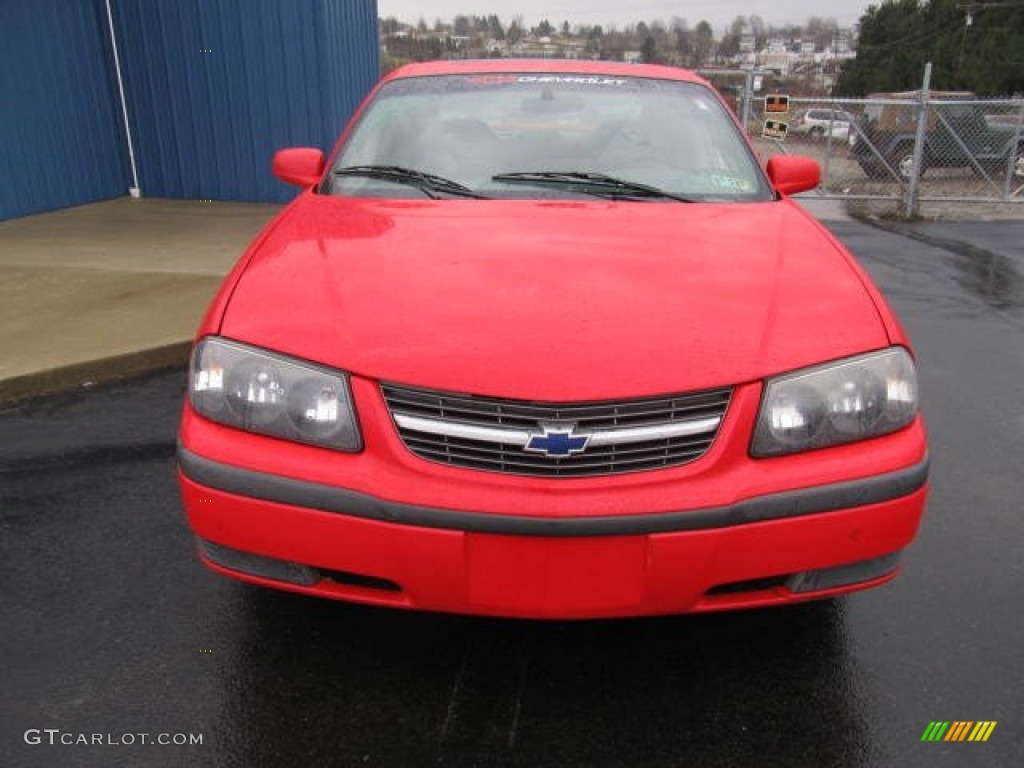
x=257 y=565
x=360 y=580
x=843 y=575
x=750 y=585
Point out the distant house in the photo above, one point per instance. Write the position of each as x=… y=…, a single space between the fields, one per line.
x=572 y=49
x=778 y=61
x=843 y=42
x=538 y=48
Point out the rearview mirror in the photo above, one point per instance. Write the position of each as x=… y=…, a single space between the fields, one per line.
x=301 y=166
x=790 y=174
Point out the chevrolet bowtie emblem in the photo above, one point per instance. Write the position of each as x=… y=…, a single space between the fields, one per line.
x=557 y=441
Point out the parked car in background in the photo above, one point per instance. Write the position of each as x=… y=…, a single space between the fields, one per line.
x=964 y=137
x=817 y=123
x=543 y=339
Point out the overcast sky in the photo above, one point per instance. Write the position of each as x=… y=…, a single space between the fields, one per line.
x=718 y=12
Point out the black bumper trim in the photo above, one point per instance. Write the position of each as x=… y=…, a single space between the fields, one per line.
x=300 y=493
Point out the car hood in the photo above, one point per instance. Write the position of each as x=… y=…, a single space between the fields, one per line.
x=552 y=300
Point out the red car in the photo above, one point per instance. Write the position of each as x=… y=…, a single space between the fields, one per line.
x=542 y=339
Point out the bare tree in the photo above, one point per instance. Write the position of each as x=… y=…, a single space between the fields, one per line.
x=704 y=41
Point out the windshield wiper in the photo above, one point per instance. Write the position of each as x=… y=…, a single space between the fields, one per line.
x=598 y=184
x=428 y=182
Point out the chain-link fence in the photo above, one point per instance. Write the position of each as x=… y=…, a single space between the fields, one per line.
x=906 y=148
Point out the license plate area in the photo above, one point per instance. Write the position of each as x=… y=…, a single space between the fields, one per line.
x=570 y=576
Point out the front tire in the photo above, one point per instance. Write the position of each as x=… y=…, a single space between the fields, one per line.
x=997 y=170
x=874 y=171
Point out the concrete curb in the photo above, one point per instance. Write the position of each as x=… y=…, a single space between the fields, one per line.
x=91 y=372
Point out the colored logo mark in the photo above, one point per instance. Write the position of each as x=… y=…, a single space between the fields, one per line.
x=959 y=730
x=555 y=442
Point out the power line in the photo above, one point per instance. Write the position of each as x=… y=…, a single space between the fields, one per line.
x=910 y=39
x=970 y=6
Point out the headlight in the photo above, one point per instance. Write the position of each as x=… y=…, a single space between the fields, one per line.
x=841 y=402
x=271 y=394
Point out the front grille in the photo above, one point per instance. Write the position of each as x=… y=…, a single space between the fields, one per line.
x=443 y=411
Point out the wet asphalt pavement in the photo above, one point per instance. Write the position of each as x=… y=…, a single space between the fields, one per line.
x=112 y=627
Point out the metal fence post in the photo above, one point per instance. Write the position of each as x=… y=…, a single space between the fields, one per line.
x=922 y=125
x=1014 y=155
x=826 y=172
x=748 y=97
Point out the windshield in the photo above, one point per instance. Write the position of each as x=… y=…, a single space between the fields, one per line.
x=556 y=132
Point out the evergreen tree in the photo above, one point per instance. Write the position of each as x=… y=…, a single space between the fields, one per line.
x=978 y=49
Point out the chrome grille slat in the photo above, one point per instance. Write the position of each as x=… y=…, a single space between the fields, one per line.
x=567 y=468
x=524 y=422
x=503 y=414
x=526 y=460
x=552 y=466
x=591 y=418
x=534 y=411
x=609 y=453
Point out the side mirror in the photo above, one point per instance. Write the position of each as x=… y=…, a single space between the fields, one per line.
x=790 y=174
x=301 y=166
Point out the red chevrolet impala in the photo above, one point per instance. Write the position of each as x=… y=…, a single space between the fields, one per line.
x=542 y=339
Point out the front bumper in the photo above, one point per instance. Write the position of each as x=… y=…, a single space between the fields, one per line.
x=776 y=549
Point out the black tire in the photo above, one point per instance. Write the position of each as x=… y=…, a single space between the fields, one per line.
x=817 y=133
x=874 y=171
x=997 y=170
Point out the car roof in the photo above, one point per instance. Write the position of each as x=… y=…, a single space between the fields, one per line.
x=552 y=66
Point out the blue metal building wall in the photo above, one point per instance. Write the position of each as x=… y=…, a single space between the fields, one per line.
x=353 y=57
x=215 y=86
x=61 y=136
